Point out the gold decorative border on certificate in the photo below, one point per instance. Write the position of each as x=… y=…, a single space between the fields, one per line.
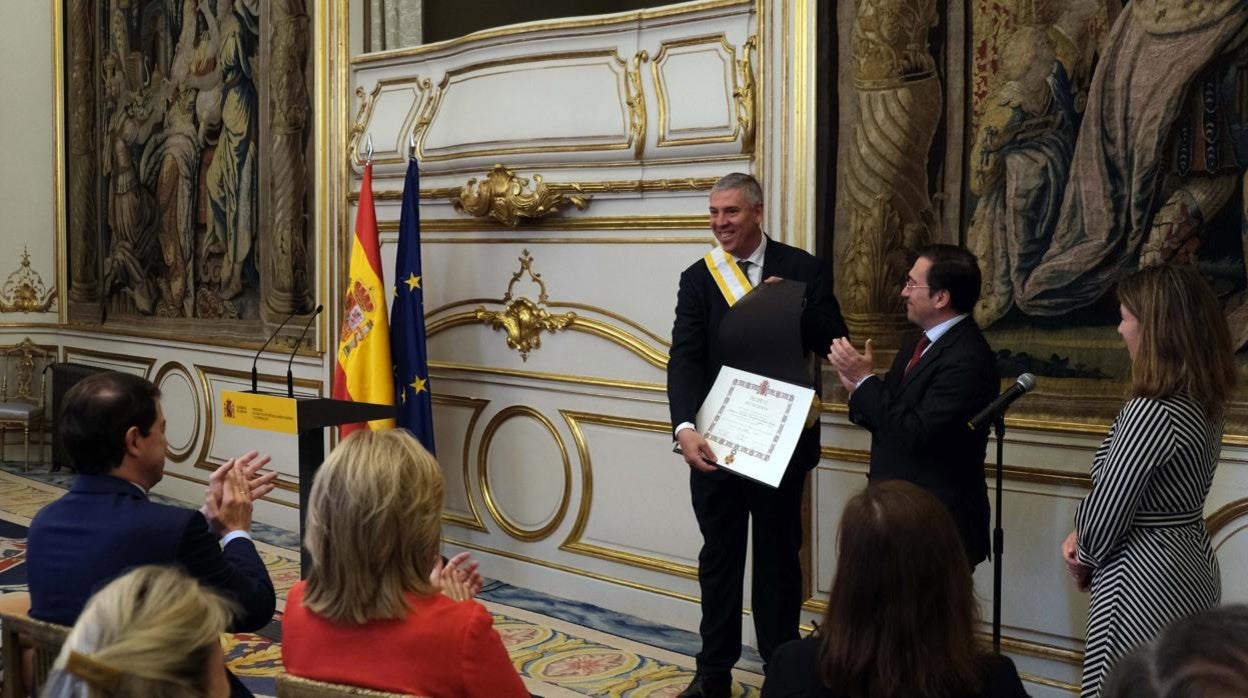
x=483 y=479
x=573 y=543
x=477 y=406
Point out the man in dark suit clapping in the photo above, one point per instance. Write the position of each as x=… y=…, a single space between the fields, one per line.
x=114 y=429
x=725 y=503
x=918 y=412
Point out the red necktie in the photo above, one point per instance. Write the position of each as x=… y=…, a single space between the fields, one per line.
x=918 y=351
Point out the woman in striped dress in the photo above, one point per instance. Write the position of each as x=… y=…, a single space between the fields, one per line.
x=1140 y=541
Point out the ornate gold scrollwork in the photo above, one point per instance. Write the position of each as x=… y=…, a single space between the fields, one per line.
x=522 y=319
x=427 y=111
x=361 y=120
x=889 y=43
x=745 y=96
x=502 y=196
x=24 y=291
x=637 y=105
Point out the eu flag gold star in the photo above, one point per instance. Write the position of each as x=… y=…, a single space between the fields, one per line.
x=412 y=281
x=418 y=384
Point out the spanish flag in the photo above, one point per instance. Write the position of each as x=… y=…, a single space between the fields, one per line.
x=363 y=371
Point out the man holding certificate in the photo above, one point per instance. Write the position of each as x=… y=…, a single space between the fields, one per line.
x=724 y=502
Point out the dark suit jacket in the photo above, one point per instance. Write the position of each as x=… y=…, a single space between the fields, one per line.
x=794 y=673
x=918 y=425
x=105 y=526
x=695 y=357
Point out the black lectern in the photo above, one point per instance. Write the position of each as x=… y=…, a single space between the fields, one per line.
x=307 y=417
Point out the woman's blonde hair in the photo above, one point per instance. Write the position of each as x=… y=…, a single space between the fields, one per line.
x=1185 y=344
x=374 y=527
x=150 y=632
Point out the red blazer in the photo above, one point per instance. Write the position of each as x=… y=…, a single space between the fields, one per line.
x=443 y=649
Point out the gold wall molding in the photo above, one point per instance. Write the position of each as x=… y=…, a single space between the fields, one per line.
x=597 y=576
x=473 y=521
x=579 y=323
x=691 y=9
x=428 y=110
x=560 y=241
x=510 y=527
x=617 y=186
x=503 y=196
x=143 y=363
x=367 y=106
x=573 y=542
x=206 y=373
x=1014 y=473
x=429 y=113
x=522 y=319
x=745 y=96
x=624 y=224
x=570 y=378
x=1225 y=515
x=524 y=326
x=179 y=455
x=636 y=101
x=24 y=290
x=665 y=139
x=278 y=343
x=1046 y=681
x=363 y=115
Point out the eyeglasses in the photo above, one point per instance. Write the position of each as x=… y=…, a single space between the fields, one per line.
x=911 y=285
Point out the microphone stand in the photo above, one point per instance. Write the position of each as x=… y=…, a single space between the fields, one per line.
x=998 y=537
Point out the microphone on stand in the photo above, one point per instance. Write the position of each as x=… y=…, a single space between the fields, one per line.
x=262 y=348
x=290 y=379
x=1024 y=385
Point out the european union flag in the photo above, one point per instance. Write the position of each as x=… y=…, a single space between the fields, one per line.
x=413 y=400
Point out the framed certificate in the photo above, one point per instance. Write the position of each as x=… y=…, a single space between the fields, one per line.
x=752 y=423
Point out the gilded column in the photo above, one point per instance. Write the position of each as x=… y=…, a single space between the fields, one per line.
x=287 y=263
x=886 y=185
x=81 y=162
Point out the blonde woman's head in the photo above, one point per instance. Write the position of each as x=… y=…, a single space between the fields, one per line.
x=374 y=527
x=152 y=632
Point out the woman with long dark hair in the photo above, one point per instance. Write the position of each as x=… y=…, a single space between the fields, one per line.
x=1140 y=542
x=901 y=616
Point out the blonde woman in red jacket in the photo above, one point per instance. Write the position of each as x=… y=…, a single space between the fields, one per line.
x=377 y=610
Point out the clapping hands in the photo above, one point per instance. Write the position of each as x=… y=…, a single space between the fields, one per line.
x=458 y=578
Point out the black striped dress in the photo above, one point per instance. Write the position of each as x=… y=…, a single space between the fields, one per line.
x=1142 y=528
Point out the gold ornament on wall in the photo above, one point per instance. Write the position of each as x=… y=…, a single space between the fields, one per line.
x=637 y=105
x=504 y=197
x=744 y=95
x=522 y=319
x=24 y=290
x=361 y=120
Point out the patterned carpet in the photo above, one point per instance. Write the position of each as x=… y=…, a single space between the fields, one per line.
x=550 y=640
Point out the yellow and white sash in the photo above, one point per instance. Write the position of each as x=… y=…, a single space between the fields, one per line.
x=732 y=282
